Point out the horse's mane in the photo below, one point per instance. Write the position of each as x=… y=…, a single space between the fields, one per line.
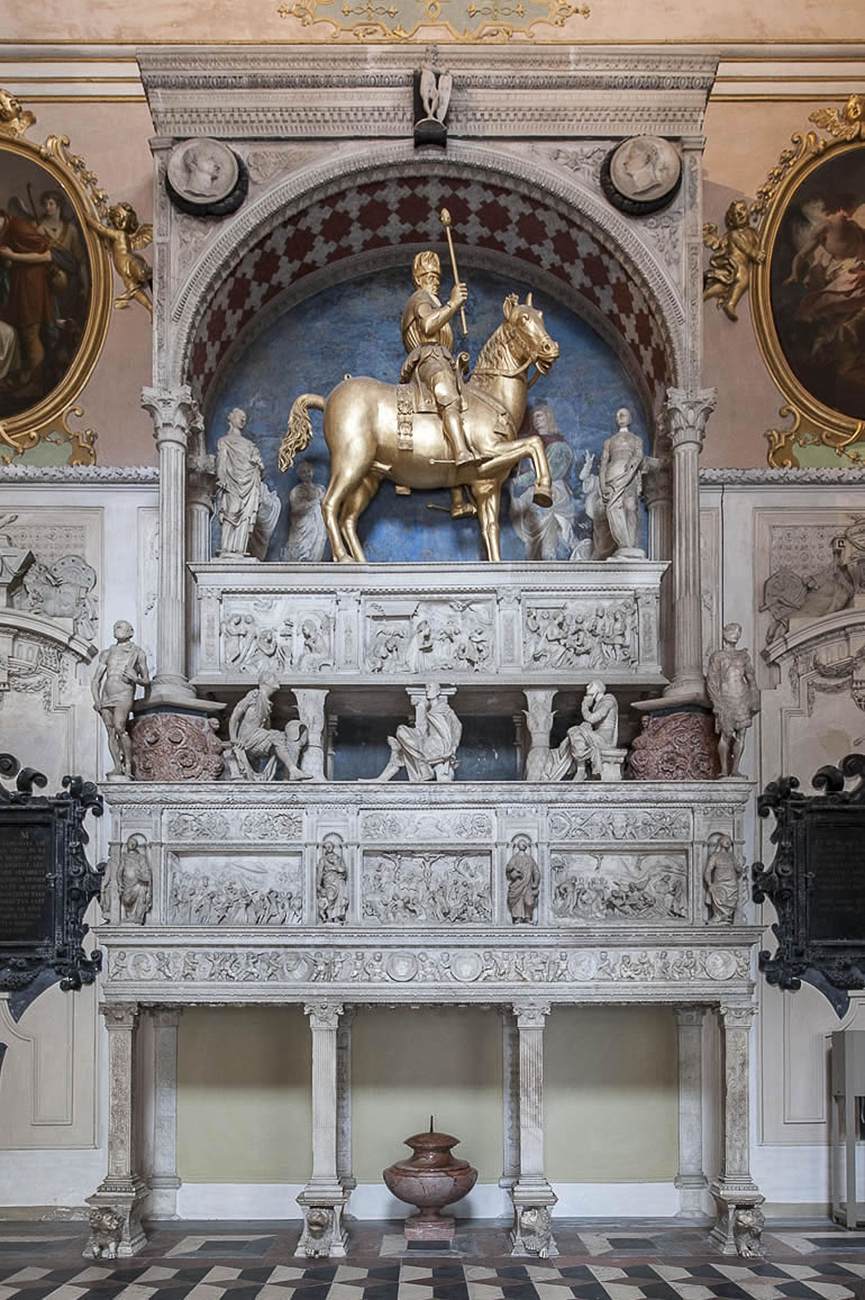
x=494 y=355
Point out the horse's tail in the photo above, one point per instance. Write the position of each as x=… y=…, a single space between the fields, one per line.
x=298 y=434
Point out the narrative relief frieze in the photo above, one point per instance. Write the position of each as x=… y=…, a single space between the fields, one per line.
x=425 y=888
x=229 y=889
x=430 y=966
x=625 y=887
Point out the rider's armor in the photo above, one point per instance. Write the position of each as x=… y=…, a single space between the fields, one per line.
x=431 y=361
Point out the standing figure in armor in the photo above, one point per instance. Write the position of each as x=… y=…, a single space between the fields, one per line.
x=428 y=339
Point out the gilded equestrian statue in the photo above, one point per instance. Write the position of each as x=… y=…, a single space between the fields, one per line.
x=436 y=430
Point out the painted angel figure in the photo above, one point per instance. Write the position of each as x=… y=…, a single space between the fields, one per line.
x=125 y=235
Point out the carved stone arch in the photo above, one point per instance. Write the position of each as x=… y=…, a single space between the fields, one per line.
x=388 y=197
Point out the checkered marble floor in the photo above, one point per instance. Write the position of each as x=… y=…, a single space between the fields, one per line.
x=625 y=1260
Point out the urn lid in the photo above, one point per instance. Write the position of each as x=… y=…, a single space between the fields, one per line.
x=432 y=1147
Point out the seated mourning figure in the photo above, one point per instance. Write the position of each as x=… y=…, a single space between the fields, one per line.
x=591 y=745
x=252 y=738
x=428 y=750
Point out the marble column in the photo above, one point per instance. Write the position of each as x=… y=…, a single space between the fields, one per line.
x=324 y=1197
x=739 y=1221
x=691 y=1180
x=164 y=1182
x=510 y=1099
x=200 y=487
x=310 y=708
x=532 y=1195
x=658 y=496
x=688 y=413
x=539 y=720
x=343 y=1102
x=173 y=411
x=115 y=1215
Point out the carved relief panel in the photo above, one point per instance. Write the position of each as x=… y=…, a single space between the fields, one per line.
x=427 y=888
x=649 y=888
x=234 y=889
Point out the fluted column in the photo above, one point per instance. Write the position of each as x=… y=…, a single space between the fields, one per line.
x=173 y=411
x=688 y=413
x=164 y=1182
x=121 y=1191
x=691 y=1180
x=510 y=1099
x=324 y=1196
x=735 y=1190
x=532 y=1194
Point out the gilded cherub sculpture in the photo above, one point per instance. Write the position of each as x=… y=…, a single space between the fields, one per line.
x=124 y=234
x=728 y=276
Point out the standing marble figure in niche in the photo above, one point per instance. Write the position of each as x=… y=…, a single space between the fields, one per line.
x=524 y=882
x=135 y=880
x=722 y=877
x=331 y=882
x=620 y=477
x=119 y=669
x=428 y=750
x=247 y=509
x=307 y=536
x=735 y=698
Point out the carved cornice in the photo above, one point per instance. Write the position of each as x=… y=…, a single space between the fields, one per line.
x=80 y=475
x=765 y=477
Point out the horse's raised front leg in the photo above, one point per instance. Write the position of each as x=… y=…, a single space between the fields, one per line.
x=486 y=493
x=511 y=453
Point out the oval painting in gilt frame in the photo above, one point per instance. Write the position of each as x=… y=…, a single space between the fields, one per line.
x=55 y=291
x=809 y=293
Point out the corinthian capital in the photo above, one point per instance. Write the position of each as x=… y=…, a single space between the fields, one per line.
x=174 y=411
x=323 y=1015
x=119 y=1015
x=531 y=1015
x=688 y=412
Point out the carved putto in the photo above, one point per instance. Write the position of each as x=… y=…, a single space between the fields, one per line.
x=524 y=881
x=735 y=698
x=331 y=881
x=119 y=669
x=427 y=750
x=728 y=276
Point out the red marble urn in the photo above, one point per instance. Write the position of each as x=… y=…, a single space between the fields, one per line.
x=431 y=1179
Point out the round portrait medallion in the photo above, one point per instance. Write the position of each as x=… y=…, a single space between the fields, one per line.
x=204 y=177
x=642 y=174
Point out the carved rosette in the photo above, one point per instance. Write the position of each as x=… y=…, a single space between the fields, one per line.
x=175 y=747
x=675 y=747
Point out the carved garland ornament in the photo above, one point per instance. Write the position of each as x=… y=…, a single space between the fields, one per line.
x=402 y=20
x=790 y=247
x=56 y=212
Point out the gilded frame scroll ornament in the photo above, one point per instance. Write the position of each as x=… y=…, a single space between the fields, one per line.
x=470 y=21
x=40 y=411
x=743 y=258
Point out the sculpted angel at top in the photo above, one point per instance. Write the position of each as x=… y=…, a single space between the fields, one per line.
x=125 y=234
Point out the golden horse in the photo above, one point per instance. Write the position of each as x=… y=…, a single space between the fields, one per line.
x=362 y=431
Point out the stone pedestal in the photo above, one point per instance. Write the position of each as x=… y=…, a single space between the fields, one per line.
x=738 y=1199
x=324 y=1197
x=675 y=746
x=174 y=746
x=117 y=1203
x=691 y=1181
x=532 y=1195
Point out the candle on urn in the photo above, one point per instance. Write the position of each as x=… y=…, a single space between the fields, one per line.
x=430 y=1179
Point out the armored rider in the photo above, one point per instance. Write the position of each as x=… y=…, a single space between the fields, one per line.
x=428 y=339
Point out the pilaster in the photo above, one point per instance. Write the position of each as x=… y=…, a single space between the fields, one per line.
x=690 y=1179
x=164 y=1182
x=324 y=1197
x=510 y=1099
x=739 y=1222
x=532 y=1195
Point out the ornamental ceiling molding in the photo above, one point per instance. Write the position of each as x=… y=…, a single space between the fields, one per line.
x=367 y=92
x=302 y=189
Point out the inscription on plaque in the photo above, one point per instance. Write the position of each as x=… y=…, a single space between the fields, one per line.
x=26 y=882
x=836 y=893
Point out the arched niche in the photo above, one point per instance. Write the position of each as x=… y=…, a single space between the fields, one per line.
x=388 y=198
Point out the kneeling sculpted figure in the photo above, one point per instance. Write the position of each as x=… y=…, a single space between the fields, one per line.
x=252 y=736
x=428 y=750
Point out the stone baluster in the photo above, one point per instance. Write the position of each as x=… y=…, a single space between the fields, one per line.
x=510 y=1099
x=688 y=414
x=310 y=708
x=164 y=1182
x=174 y=411
x=324 y=1197
x=691 y=1180
x=737 y=1196
x=343 y=1101
x=117 y=1200
x=532 y=1195
x=539 y=719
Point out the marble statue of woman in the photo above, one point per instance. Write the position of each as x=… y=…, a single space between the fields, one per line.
x=239 y=484
x=307 y=537
x=620 y=480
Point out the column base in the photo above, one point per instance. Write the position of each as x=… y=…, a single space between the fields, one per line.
x=532 y=1233
x=679 y=745
x=692 y=1196
x=739 y=1224
x=115 y=1219
x=176 y=746
x=323 y=1232
x=163 y=1197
